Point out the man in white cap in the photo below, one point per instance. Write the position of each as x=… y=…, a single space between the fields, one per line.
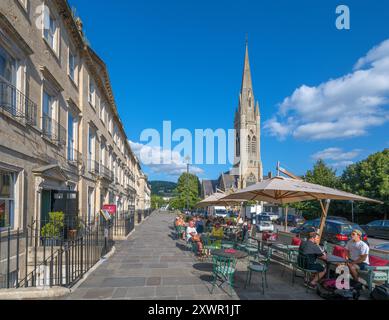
x=358 y=253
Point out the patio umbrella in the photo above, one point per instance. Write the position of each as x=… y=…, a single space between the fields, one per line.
x=283 y=190
x=217 y=199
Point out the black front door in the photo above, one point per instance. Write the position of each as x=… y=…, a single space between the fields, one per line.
x=67 y=202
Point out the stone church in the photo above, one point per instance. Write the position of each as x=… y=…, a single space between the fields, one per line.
x=247 y=167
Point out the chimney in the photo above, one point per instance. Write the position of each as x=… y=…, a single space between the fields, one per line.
x=269 y=175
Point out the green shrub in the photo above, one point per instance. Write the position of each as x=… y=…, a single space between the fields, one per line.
x=54 y=227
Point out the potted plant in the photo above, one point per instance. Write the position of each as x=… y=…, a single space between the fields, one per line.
x=76 y=226
x=51 y=231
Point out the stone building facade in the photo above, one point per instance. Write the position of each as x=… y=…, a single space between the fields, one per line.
x=62 y=142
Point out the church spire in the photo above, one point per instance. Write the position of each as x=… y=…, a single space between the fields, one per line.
x=246 y=81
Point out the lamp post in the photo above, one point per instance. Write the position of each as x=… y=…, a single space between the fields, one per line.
x=352 y=211
x=187 y=158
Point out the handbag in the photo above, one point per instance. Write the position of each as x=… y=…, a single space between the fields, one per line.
x=196 y=238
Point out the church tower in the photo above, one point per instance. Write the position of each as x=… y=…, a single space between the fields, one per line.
x=247 y=153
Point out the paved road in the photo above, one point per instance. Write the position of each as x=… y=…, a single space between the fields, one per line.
x=152 y=265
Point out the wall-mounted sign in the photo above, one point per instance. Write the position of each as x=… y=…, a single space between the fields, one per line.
x=111 y=208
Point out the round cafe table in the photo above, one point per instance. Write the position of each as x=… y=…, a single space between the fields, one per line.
x=236 y=254
x=335 y=260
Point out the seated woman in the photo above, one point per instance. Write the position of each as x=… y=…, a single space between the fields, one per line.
x=192 y=236
x=217 y=231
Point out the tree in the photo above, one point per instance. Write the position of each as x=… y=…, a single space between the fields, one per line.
x=157 y=201
x=370 y=178
x=188 y=189
x=320 y=174
x=323 y=175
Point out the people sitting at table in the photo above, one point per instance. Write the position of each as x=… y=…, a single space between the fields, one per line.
x=311 y=252
x=358 y=253
x=180 y=222
x=199 y=225
x=193 y=236
x=245 y=229
x=217 y=231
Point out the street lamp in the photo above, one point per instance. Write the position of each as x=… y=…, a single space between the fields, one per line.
x=187 y=158
x=352 y=211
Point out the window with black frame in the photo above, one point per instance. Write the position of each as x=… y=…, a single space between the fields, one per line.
x=7 y=198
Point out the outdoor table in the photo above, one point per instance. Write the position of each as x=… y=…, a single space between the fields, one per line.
x=331 y=259
x=237 y=254
x=268 y=243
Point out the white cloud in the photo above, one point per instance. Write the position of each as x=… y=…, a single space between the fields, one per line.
x=163 y=161
x=344 y=107
x=336 y=154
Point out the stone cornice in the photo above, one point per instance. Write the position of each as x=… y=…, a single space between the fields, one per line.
x=49 y=76
x=11 y=31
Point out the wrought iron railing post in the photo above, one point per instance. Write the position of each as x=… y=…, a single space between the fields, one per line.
x=8 y=257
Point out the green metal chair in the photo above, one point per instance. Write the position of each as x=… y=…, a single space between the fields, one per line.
x=223 y=268
x=299 y=262
x=260 y=265
x=179 y=231
x=374 y=275
x=225 y=244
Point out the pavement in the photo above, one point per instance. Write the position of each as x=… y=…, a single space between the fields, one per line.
x=151 y=265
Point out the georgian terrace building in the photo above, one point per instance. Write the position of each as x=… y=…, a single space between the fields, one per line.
x=62 y=144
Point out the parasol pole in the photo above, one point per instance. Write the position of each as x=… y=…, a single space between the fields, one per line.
x=323 y=216
x=286 y=219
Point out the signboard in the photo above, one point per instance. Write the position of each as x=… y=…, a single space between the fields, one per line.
x=105 y=214
x=110 y=208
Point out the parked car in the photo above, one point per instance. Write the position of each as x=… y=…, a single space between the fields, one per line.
x=221 y=213
x=335 y=231
x=264 y=223
x=382 y=246
x=293 y=220
x=377 y=228
x=273 y=216
x=337 y=218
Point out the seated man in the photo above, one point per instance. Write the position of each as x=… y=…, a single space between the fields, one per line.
x=358 y=253
x=192 y=236
x=199 y=225
x=311 y=250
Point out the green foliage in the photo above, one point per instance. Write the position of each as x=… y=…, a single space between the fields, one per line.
x=323 y=175
x=54 y=227
x=320 y=174
x=188 y=189
x=157 y=201
x=162 y=188
x=369 y=178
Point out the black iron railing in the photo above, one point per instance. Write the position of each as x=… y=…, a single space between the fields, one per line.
x=52 y=130
x=123 y=223
x=58 y=254
x=16 y=104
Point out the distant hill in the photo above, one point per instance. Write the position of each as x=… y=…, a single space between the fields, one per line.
x=162 y=188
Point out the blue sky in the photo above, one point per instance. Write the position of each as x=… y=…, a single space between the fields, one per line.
x=182 y=61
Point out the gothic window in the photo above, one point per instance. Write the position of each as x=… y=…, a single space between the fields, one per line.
x=254 y=145
x=251 y=180
x=248 y=144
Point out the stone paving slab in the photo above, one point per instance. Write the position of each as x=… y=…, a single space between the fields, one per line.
x=151 y=264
